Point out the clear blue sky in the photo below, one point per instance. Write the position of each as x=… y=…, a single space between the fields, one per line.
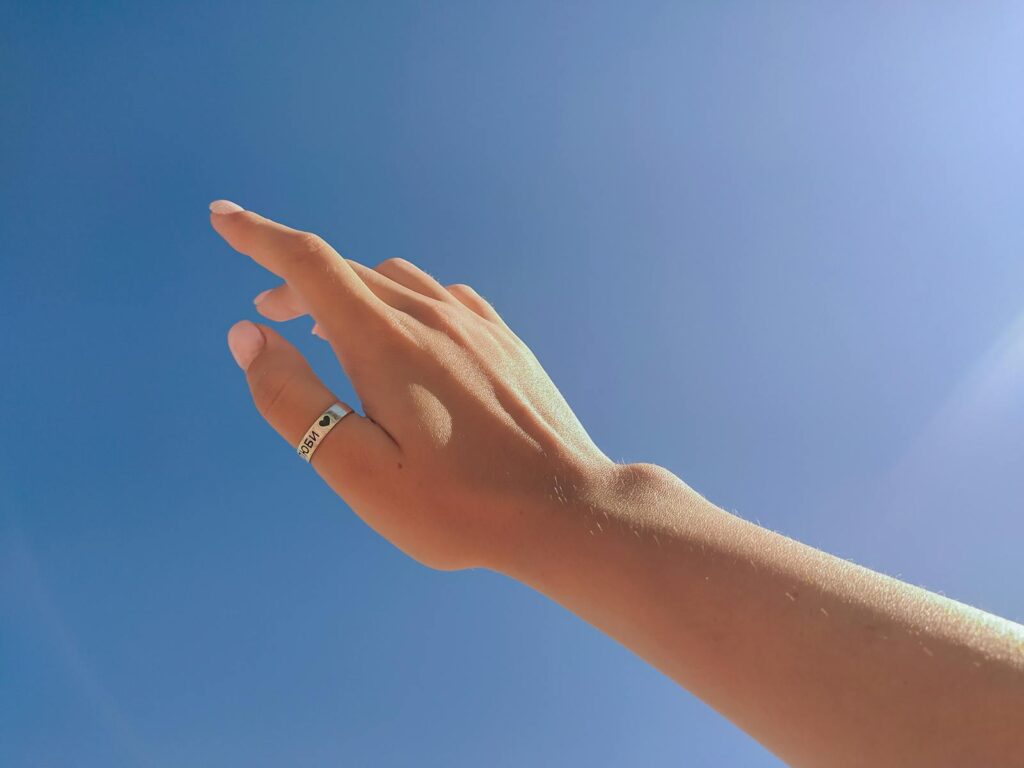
x=777 y=250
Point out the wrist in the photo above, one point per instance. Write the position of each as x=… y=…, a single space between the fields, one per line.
x=602 y=504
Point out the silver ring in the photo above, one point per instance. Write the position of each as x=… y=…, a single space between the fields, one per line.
x=318 y=431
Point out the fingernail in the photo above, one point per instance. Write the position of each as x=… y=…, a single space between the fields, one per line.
x=316 y=330
x=245 y=340
x=225 y=206
x=261 y=296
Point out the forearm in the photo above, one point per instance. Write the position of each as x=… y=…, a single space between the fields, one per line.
x=821 y=660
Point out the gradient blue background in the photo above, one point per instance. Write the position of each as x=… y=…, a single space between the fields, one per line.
x=777 y=250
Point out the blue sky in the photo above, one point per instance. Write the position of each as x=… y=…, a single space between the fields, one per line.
x=775 y=249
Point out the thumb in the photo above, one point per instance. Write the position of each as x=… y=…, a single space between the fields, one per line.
x=290 y=396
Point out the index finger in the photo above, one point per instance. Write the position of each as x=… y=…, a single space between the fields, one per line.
x=337 y=297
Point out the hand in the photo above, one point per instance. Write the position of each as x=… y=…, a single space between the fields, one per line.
x=463 y=433
x=468 y=456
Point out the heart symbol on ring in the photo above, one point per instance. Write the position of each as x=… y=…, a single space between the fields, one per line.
x=325 y=420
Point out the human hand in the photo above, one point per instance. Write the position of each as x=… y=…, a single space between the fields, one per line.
x=464 y=435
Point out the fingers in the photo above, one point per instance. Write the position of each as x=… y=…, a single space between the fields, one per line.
x=387 y=290
x=412 y=277
x=285 y=303
x=474 y=301
x=290 y=396
x=281 y=303
x=325 y=281
x=338 y=292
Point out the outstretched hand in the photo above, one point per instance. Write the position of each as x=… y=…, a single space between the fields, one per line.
x=464 y=438
x=468 y=456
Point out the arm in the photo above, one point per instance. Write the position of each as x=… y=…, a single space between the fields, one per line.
x=467 y=456
x=822 y=661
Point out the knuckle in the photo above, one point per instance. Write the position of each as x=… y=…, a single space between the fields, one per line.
x=310 y=242
x=269 y=391
x=436 y=314
x=397 y=333
x=304 y=247
x=394 y=264
x=477 y=303
x=446 y=319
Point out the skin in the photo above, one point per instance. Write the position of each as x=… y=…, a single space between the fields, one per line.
x=468 y=457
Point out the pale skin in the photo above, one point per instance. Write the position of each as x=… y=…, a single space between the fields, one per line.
x=468 y=457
